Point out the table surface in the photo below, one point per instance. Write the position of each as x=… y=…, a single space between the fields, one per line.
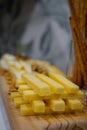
x=4 y=123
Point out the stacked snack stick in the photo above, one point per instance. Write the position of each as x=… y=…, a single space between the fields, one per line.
x=79 y=31
x=36 y=93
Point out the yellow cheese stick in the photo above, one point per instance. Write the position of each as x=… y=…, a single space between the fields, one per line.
x=68 y=110
x=15 y=94
x=74 y=104
x=55 y=87
x=40 y=87
x=26 y=110
x=19 y=101
x=38 y=106
x=57 y=70
x=8 y=57
x=19 y=82
x=56 y=105
x=80 y=94
x=48 y=110
x=21 y=88
x=27 y=67
x=17 y=65
x=66 y=95
x=77 y=95
x=29 y=95
x=68 y=85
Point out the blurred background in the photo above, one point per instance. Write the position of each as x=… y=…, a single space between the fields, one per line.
x=37 y=29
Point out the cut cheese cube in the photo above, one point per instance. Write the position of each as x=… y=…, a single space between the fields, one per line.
x=40 y=87
x=38 y=106
x=18 y=101
x=68 y=85
x=21 y=88
x=29 y=95
x=57 y=105
x=15 y=94
x=55 y=87
x=26 y=110
x=74 y=104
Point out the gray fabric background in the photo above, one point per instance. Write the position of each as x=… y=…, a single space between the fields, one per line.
x=49 y=32
x=40 y=29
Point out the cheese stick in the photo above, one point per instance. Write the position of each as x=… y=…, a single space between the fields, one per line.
x=38 y=106
x=15 y=94
x=27 y=67
x=74 y=104
x=17 y=65
x=19 y=82
x=19 y=101
x=66 y=95
x=68 y=85
x=80 y=94
x=56 y=105
x=26 y=110
x=55 y=86
x=40 y=87
x=23 y=87
x=30 y=95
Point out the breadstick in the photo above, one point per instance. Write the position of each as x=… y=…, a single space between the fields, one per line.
x=79 y=76
x=77 y=50
x=81 y=64
x=75 y=72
